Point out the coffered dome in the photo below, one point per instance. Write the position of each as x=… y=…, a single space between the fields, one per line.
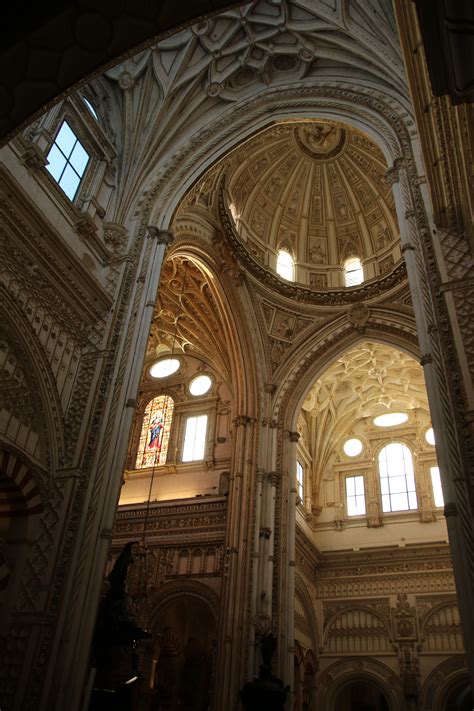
x=318 y=190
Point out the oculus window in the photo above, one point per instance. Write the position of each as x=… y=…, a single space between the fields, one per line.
x=355 y=496
x=352 y=447
x=285 y=265
x=353 y=272
x=397 y=478
x=200 y=385
x=195 y=438
x=390 y=419
x=155 y=432
x=429 y=436
x=67 y=160
x=165 y=367
x=300 y=479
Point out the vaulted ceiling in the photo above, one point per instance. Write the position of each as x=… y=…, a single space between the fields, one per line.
x=318 y=189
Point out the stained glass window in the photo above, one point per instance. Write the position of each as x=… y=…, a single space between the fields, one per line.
x=155 y=434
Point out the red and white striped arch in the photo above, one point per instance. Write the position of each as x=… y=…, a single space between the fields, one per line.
x=19 y=495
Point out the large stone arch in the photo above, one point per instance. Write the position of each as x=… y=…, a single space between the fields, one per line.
x=240 y=347
x=191 y=588
x=302 y=592
x=323 y=350
x=40 y=380
x=371 y=112
x=441 y=680
x=342 y=673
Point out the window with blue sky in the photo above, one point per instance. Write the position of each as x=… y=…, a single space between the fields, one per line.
x=67 y=160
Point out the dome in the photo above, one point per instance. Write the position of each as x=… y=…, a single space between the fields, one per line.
x=318 y=190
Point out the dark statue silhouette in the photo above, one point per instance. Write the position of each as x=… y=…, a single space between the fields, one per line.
x=115 y=638
x=267 y=692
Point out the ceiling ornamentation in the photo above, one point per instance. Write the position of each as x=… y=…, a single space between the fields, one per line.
x=367 y=380
x=387 y=287
x=177 y=87
x=188 y=316
x=317 y=189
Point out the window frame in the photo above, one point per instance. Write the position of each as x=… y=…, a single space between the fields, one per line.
x=300 y=485
x=433 y=493
x=140 y=432
x=355 y=475
x=409 y=509
x=186 y=419
x=360 y=269
x=67 y=158
x=285 y=250
x=94 y=185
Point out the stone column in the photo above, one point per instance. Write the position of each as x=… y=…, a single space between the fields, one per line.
x=288 y=674
x=440 y=366
x=231 y=664
x=93 y=540
x=256 y=558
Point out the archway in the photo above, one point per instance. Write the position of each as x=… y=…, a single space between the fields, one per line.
x=360 y=695
x=182 y=665
x=459 y=698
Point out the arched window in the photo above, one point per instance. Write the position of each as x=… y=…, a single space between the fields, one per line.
x=353 y=272
x=397 y=479
x=90 y=107
x=155 y=433
x=285 y=265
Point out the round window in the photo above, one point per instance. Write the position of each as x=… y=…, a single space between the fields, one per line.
x=429 y=436
x=390 y=419
x=200 y=385
x=164 y=367
x=352 y=447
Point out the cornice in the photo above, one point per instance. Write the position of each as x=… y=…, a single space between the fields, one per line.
x=266 y=280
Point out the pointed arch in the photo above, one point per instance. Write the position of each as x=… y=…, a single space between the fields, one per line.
x=41 y=382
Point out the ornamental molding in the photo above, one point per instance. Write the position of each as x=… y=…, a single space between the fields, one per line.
x=41 y=253
x=380 y=288
x=370 y=108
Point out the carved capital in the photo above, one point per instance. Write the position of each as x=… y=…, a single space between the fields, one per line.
x=242 y=420
x=294 y=436
x=270 y=388
x=115 y=236
x=358 y=315
x=426 y=358
x=33 y=158
x=274 y=478
x=161 y=236
x=85 y=227
x=392 y=175
x=407 y=248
